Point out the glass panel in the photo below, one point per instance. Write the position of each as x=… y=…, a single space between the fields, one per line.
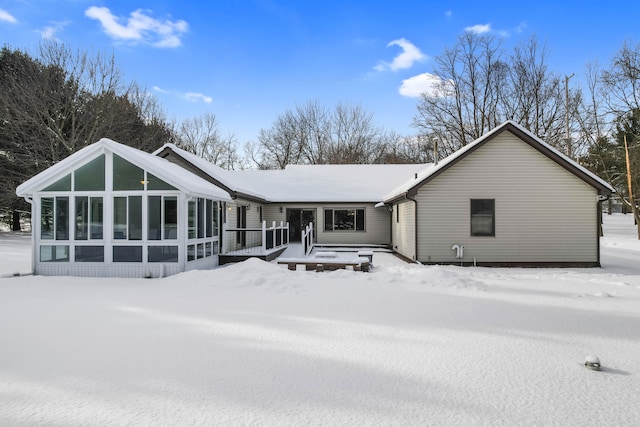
x=63 y=184
x=89 y=254
x=200 y=250
x=54 y=253
x=90 y=177
x=170 y=217
x=360 y=219
x=215 y=248
x=207 y=249
x=208 y=218
x=482 y=217
x=62 y=218
x=215 y=218
x=135 y=217
x=192 y=220
x=344 y=219
x=191 y=252
x=163 y=253
x=155 y=183
x=127 y=254
x=126 y=176
x=328 y=219
x=96 y=217
x=200 y=218
x=46 y=218
x=119 y=217
x=82 y=218
x=155 y=220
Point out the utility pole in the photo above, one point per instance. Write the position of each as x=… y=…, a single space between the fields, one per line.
x=629 y=180
x=566 y=98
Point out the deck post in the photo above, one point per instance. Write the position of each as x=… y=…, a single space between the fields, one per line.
x=264 y=236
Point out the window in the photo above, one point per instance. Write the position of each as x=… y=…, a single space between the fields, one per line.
x=127 y=254
x=54 y=218
x=88 y=218
x=163 y=254
x=127 y=218
x=191 y=219
x=90 y=177
x=344 y=220
x=162 y=217
x=89 y=254
x=155 y=183
x=54 y=253
x=63 y=184
x=201 y=219
x=483 y=216
x=126 y=176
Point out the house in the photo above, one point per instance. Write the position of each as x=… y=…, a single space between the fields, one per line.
x=111 y=210
x=338 y=200
x=508 y=198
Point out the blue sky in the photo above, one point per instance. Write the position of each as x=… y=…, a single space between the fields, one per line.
x=249 y=61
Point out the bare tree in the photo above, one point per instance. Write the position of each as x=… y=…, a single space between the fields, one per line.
x=202 y=137
x=534 y=96
x=311 y=134
x=465 y=103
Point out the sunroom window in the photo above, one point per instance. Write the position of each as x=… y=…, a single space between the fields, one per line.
x=89 y=215
x=90 y=177
x=162 y=217
x=127 y=218
x=54 y=218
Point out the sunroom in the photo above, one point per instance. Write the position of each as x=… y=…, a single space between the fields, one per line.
x=110 y=210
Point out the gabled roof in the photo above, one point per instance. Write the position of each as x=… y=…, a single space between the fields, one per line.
x=410 y=187
x=163 y=169
x=213 y=173
x=304 y=183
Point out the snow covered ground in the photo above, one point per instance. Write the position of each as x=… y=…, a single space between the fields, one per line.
x=256 y=344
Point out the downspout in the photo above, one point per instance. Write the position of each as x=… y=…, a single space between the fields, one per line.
x=33 y=233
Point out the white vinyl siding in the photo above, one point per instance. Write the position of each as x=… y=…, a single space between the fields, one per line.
x=403 y=229
x=543 y=213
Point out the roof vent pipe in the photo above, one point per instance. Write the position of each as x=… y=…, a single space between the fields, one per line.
x=415 y=175
x=435 y=151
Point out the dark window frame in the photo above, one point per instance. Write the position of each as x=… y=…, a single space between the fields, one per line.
x=480 y=211
x=359 y=218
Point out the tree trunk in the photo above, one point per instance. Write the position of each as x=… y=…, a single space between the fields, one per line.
x=15 y=223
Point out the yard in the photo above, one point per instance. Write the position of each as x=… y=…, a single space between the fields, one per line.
x=256 y=344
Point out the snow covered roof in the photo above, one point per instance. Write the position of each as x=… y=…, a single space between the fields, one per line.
x=433 y=170
x=308 y=183
x=163 y=169
x=327 y=183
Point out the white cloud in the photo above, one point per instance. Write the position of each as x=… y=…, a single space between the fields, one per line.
x=409 y=55
x=448 y=13
x=426 y=83
x=140 y=27
x=189 y=96
x=521 y=27
x=479 y=28
x=49 y=32
x=7 y=17
x=193 y=96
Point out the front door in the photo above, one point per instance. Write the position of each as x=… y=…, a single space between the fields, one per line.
x=298 y=220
